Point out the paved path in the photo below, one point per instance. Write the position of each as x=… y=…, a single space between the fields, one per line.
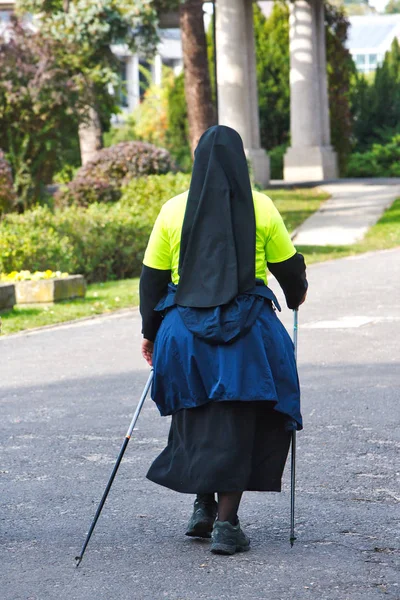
x=353 y=208
x=67 y=397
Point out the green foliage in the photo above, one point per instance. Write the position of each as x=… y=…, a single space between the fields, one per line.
x=92 y=27
x=383 y=160
x=376 y=103
x=272 y=51
x=160 y=119
x=276 y=161
x=101 y=242
x=7 y=194
x=360 y=102
x=145 y=195
x=178 y=141
x=40 y=99
x=86 y=31
x=124 y=132
x=151 y=116
x=341 y=70
x=211 y=59
x=101 y=179
x=392 y=7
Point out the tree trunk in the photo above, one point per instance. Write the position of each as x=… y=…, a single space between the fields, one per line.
x=201 y=114
x=90 y=136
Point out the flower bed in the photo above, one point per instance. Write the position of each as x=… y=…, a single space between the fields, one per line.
x=41 y=286
x=28 y=276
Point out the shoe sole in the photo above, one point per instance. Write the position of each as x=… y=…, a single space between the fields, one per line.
x=201 y=530
x=228 y=550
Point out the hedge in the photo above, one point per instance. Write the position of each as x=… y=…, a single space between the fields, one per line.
x=382 y=160
x=102 y=241
x=101 y=179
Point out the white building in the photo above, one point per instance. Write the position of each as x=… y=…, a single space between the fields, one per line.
x=370 y=37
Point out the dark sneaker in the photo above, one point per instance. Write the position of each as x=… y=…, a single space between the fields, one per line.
x=202 y=519
x=228 y=538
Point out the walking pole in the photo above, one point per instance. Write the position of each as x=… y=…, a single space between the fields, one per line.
x=293 y=459
x=115 y=469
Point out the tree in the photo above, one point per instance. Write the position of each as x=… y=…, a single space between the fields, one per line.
x=92 y=28
x=200 y=107
x=376 y=102
x=178 y=142
x=392 y=7
x=199 y=102
x=40 y=101
x=360 y=106
x=386 y=94
x=272 y=52
x=341 y=70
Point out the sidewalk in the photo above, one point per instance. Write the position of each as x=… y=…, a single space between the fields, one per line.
x=67 y=396
x=354 y=206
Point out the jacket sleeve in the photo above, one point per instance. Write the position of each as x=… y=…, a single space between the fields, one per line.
x=153 y=286
x=291 y=276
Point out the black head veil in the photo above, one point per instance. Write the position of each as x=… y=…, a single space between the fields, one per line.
x=217 y=253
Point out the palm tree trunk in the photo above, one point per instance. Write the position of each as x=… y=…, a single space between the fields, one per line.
x=201 y=114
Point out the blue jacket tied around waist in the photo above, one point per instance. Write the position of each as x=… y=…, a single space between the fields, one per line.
x=240 y=351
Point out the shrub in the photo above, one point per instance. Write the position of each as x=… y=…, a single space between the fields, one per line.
x=178 y=127
x=362 y=164
x=383 y=160
x=7 y=194
x=146 y=195
x=83 y=191
x=101 y=179
x=276 y=157
x=101 y=242
x=122 y=162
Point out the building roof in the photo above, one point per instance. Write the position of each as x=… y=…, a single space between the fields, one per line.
x=372 y=31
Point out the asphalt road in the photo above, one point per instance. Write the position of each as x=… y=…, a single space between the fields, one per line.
x=67 y=395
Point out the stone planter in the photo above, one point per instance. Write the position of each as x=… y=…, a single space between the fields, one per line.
x=50 y=290
x=7 y=295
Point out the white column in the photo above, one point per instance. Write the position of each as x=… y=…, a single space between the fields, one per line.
x=157 y=69
x=237 y=85
x=132 y=82
x=310 y=156
x=322 y=74
x=251 y=70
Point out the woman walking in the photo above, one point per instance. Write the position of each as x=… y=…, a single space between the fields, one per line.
x=224 y=365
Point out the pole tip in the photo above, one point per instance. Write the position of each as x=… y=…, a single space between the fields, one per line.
x=78 y=560
x=292 y=541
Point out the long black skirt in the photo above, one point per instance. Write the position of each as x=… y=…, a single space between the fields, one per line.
x=224 y=446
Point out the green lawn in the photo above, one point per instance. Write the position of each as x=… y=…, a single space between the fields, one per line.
x=100 y=298
x=295 y=206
